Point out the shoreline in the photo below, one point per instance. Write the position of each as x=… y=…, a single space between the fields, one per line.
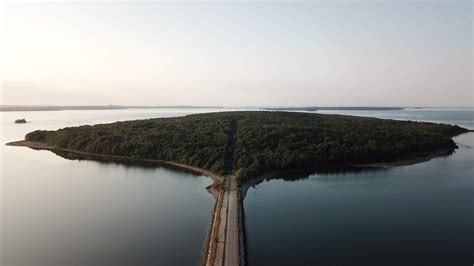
x=210 y=243
x=409 y=159
x=412 y=159
x=45 y=146
x=217 y=189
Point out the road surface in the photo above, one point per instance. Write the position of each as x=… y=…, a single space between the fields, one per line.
x=231 y=256
x=227 y=249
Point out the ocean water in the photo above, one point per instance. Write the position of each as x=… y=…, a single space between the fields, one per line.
x=56 y=211
x=421 y=214
x=463 y=117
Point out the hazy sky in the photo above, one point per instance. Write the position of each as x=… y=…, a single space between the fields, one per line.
x=371 y=53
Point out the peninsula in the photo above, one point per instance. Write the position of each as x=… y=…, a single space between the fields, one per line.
x=237 y=148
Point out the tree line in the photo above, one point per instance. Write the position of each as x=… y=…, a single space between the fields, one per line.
x=257 y=142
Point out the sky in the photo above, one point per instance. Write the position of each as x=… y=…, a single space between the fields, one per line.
x=333 y=53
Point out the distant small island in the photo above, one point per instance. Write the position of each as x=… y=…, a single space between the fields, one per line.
x=20 y=121
x=254 y=143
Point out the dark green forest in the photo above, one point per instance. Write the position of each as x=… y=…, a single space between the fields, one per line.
x=257 y=142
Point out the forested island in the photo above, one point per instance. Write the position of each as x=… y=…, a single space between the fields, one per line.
x=257 y=142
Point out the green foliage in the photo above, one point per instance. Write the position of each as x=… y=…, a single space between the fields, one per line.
x=256 y=142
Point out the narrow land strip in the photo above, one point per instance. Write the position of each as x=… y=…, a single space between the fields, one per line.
x=232 y=255
x=227 y=238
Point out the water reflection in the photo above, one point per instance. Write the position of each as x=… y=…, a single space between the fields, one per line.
x=77 y=211
x=410 y=215
x=126 y=163
x=321 y=173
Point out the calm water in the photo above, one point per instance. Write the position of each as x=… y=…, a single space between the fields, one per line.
x=56 y=211
x=459 y=116
x=412 y=215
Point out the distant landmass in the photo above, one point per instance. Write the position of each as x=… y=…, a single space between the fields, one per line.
x=316 y=108
x=13 y=108
x=253 y=143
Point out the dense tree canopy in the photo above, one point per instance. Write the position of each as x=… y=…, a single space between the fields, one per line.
x=257 y=142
